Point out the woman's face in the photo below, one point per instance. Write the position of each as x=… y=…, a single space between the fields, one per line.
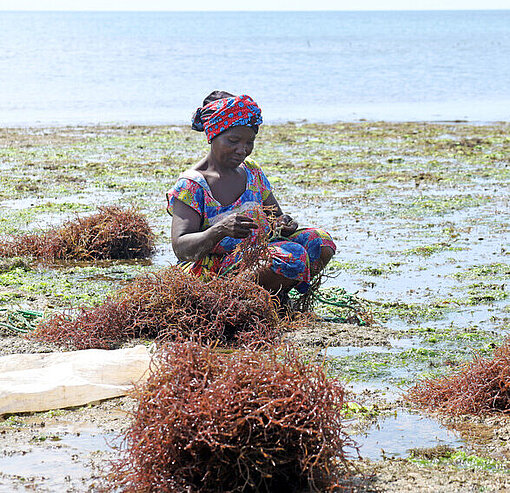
x=233 y=146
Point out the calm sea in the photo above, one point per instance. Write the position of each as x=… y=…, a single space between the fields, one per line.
x=77 y=67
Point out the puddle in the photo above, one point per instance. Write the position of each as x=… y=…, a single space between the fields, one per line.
x=164 y=257
x=345 y=351
x=390 y=393
x=397 y=345
x=64 y=464
x=394 y=436
x=480 y=315
x=404 y=343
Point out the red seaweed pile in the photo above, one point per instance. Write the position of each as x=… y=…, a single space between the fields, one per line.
x=251 y=421
x=166 y=305
x=478 y=387
x=112 y=233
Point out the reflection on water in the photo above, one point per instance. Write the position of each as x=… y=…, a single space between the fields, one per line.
x=394 y=435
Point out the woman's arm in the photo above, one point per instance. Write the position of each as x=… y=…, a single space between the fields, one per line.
x=272 y=204
x=189 y=243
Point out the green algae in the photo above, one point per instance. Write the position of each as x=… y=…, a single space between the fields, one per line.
x=428 y=250
x=402 y=368
x=72 y=287
x=484 y=272
x=412 y=312
x=460 y=459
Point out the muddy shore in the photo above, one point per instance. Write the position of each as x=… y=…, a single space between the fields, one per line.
x=421 y=218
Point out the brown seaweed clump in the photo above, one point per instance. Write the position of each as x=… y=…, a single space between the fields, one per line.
x=251 y=421
x=166 y=305
x=478 y=387
x=112 y=233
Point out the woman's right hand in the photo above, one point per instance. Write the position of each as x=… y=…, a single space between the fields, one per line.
x=237 y=226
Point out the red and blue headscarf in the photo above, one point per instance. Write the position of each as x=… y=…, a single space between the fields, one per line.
x=217 y=116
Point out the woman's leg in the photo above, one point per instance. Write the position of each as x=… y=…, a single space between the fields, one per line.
x=290 y=267
x=273 y=282
x=319 y=246
x=326 y=255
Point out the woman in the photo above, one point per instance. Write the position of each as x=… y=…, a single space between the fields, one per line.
x=213 y=203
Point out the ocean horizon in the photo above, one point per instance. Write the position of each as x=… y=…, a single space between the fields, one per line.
x=61 y=68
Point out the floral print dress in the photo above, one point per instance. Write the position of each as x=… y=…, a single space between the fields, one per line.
x=292 y=257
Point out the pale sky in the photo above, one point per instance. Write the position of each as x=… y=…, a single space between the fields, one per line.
x=181 y=5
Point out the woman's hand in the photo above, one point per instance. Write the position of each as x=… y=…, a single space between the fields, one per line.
x=237 y=226
x=285 y=225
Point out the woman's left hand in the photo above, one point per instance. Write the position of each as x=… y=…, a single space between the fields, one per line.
x=285 y=225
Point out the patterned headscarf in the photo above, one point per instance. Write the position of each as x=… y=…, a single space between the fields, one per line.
x=219 y=115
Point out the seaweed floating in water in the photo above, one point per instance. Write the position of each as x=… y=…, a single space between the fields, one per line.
x=112 y=233
x=252 y=421
x=168 y=304
x=478 y=387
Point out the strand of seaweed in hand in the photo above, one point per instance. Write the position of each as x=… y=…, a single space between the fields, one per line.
x=253 y=252
x=249 y=421
x=478 y=387
x=112 y=233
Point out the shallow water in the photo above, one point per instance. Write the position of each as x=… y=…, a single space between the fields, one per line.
x=65 y=466
x=396 y=345
x=393 y=436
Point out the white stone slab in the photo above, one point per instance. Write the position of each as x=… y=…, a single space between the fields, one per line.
x=44 y=381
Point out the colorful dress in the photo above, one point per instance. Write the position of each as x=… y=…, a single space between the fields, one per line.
x=292 y=257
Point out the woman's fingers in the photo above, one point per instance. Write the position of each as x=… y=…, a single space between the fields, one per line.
x=247 y=221
x=238 y=226
x=289 y=228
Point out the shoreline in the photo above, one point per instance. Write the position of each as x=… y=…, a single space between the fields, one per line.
x=476 y=112
x=301 y=122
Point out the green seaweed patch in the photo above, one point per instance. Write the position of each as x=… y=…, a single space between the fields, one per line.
x=401 y=368
x=428 y=250
x=458 y=459
x=484 y=272
x=412 y=312
x=464 y=338
x=481 y=293
x=13 y=221
x=355 y=410
x=13 y=421
x=435 y=206
x=72 y=287
x=382 y=269
x=405 y=367
x=337 y=265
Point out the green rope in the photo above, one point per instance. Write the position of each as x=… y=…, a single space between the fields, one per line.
x=349 y=302
x=13 y=328
x=21 y=321
x=339 y=298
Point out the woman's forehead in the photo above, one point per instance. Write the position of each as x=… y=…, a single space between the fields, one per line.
x=241 y=131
